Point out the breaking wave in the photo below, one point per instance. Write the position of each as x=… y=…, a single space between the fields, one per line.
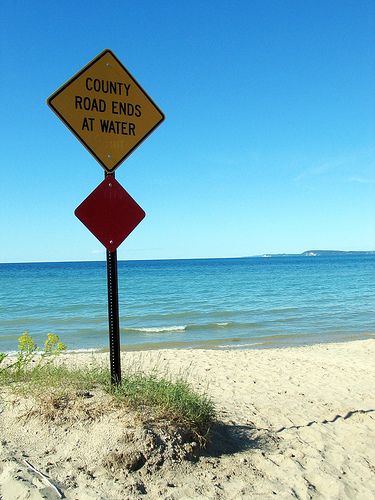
x=190 y=327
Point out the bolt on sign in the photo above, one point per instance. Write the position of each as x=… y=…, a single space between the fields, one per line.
x=106 y=109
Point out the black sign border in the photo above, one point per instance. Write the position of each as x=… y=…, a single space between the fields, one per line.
x=77 y=75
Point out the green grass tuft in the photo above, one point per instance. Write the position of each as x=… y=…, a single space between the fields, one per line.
x=173 y=400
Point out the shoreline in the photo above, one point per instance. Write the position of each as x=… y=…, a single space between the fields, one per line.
x=234 y=343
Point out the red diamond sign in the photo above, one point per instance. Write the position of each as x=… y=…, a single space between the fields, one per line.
x=110 y=213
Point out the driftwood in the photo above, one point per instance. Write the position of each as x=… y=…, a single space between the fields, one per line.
x=45 y=479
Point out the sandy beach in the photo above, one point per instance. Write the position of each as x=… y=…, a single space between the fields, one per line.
x=293 y=422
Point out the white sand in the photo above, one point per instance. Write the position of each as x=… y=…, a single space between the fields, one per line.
x=297 y=423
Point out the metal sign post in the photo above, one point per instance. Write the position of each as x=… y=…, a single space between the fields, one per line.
x=113 y=318
x=113 y=315
x=111 y=115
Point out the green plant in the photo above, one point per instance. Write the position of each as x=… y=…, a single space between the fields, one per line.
x=174 y=400
x=53 y=346
x=27 y=349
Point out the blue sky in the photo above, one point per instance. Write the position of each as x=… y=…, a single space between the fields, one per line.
x=268 y=143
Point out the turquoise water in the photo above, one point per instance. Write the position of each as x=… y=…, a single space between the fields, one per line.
x=232 y=303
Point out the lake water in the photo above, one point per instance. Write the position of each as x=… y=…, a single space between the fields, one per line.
x=222 y=303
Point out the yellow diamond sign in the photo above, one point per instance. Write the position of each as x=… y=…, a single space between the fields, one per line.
x=106 y=109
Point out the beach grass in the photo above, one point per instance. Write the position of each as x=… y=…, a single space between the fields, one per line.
x=174 y=400
x=156 y=397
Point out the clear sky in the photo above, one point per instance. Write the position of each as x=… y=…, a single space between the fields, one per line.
x=268 y=144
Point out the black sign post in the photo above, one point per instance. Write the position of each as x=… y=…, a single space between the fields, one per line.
x=113 y=315
x=113 y=318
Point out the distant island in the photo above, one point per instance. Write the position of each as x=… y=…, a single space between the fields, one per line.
x=316 y=253
x=320 y=253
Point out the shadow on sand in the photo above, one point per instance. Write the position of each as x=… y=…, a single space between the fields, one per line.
x=229 y=439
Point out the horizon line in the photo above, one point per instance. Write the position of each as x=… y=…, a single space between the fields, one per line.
x=189 y=258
